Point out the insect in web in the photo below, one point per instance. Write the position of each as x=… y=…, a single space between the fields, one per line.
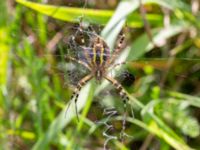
x=97 y=58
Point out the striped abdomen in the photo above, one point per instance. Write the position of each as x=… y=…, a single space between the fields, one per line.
x=100 y=52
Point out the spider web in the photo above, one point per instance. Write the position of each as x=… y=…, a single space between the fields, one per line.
x=73 y=72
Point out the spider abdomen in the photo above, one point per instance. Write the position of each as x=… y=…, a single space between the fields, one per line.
x=100 y=52
x=98 y=56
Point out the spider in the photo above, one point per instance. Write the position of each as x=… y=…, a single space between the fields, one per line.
x=98 y=60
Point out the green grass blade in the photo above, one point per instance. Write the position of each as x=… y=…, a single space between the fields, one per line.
x=71 y=14
x=4 y=40
x=117 y=21
x=142 y=44
x=4 y=51
x=192 y=100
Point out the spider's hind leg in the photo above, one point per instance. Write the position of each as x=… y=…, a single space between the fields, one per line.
x=77 y=90
x=125 y=99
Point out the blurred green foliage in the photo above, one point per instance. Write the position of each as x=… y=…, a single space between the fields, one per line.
x=34 y=93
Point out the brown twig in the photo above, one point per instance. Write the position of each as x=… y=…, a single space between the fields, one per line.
x=146 y=24
x=147 y=142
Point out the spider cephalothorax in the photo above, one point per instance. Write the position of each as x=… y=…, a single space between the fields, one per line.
x=97 y=58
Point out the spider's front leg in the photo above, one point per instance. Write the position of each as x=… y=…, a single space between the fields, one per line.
x=77 y=90
x=117 y=50
x=124 y=97
x=117 y=65
x=77 y=61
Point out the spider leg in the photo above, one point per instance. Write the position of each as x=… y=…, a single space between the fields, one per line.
x=76 y=92
x=77 y=61
x=124 y=97
x=117 y=64
x=117 y=50
x=86 y=51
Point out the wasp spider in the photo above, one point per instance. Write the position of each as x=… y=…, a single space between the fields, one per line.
x=98 y=60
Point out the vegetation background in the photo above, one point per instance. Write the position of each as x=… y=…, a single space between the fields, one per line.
x=162 y=48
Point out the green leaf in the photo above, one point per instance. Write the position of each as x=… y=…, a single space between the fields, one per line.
x=69 y=13
x=72 y=14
